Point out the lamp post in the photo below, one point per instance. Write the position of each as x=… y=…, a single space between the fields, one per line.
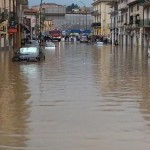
x=40 y=35
x=85 y=12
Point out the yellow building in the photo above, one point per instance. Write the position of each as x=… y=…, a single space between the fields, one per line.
x=10 y=11
x=101 y=18
x=5 y=7
x=48 y=25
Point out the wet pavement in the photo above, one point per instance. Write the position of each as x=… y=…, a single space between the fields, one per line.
x=82 y=97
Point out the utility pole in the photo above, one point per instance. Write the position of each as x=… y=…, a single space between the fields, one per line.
x=85 y=13
x=40 y=20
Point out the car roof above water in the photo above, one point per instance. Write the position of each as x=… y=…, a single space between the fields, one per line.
x=25 y=50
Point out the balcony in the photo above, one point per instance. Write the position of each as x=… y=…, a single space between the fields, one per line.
x=144 y=2
x=109 y=2
x=121 y=24
x=139 y=23
x=96 y=24
x=131 y=2
x=113 y=10
x=22 y=2
x=122 y=6
x=95 y=13
x=145 y=23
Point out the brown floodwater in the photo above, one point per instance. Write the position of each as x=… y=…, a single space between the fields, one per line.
x=82 y=97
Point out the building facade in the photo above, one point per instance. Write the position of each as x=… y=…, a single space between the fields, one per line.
x=130 y=22
x=101 y=17
x=10 y=23
x=5 y=8
x=145 y=21
x=56 y=17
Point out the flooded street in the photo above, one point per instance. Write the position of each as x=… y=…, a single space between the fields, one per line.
x=82 y=97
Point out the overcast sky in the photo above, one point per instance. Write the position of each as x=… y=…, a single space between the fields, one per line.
x=62 y=2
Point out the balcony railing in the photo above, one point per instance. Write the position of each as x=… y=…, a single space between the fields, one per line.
x=96 y=24
x=131 y=1
x=112 y=10
x=144 y=2
x=139 y=23
x=95 y=12
x=122 y=6
x=145 y=22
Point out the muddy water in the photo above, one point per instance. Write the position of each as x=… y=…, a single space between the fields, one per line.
x=82 y=97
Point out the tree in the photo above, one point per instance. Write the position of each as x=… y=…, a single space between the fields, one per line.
x=71 y=7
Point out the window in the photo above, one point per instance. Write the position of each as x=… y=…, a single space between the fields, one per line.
x=121 y=18
x=131 y=9
x=137 y=7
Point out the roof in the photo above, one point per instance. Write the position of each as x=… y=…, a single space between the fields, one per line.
x=30 y=10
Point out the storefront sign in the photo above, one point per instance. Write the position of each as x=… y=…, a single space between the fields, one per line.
x=12 y=30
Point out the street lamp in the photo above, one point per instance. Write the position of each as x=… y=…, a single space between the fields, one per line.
x=40 y=35
x=85 y=11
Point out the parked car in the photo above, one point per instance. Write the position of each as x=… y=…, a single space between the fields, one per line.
x=84 y=39
x=29 y=54
x=50 y=46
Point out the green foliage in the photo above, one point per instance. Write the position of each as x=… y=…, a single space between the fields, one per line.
x=71 y=7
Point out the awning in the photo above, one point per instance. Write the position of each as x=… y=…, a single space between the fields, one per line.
x=12 y=30
x=96 y=24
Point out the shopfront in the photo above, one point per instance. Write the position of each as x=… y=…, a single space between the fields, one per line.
x=3 y=36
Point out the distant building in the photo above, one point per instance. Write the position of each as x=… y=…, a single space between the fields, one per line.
x=57 y=17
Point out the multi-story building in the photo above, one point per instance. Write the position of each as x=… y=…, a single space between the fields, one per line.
x=5 y=8
x=11 y=22
x=145 y=21
x=130 y=22
x=114 y=21
x=78 y=20
x=101 y=17
x=57 y=17
x=133 y=27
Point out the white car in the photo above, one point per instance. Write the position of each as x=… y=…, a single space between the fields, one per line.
x=84 y=39
x=50 y=46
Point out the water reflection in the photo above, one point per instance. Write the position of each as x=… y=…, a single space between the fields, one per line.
x=13 y=107
x=123 y=76
x=83 y=97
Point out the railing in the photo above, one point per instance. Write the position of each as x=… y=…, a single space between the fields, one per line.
x=96 y=24
x=147 y=22
x=131 y=1
x=122 y=6
x=144 y=2
x=112 y=10
x=95 y=12
x=138 y=24
x=144 y=23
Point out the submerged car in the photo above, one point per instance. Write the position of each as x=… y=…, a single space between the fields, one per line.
x=50 y=46
x=84 y=39
x=29 y=54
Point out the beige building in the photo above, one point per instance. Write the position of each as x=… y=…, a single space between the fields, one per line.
x=101 y=17
x=130 y=24
x=11 y=17
x=5 y=7
x=145 y=22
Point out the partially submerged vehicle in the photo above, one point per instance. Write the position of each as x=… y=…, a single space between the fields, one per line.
x=50 y=46
x=29 y=54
